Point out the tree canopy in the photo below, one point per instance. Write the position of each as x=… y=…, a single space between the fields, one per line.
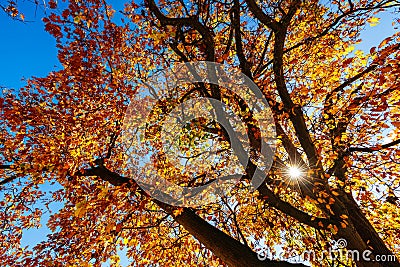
x=336 y=115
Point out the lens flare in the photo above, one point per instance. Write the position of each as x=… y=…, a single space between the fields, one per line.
x=294 y=172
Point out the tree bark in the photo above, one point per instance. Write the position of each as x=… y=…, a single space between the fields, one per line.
x=228 y=249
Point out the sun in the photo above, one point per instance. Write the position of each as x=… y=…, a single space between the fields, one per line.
x=294 y=172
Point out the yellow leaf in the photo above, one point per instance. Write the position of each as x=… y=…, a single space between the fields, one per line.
x=115 y=259
x=103 y=193
x=349 y=49
x=373 y=21
x=177 y=212
x=80 y=208
x=77 y=19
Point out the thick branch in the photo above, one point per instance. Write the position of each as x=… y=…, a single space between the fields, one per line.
x=261 y=16
x=244 y=64
x=191 y=21
x=228 y=249
x=269 y=197
x=296 y=114
x=106 y=175
x=5 y=167
x=294 y=6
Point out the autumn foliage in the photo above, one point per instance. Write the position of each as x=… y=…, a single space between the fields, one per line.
x=337 y=117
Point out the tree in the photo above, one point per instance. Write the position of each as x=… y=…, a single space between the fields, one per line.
x=332 y=105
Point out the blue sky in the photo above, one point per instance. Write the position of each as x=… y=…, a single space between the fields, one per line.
x=27 y=50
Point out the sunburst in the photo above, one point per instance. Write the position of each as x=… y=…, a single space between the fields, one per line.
x=294 y=172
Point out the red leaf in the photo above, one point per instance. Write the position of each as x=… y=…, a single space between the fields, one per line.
x=52 y=4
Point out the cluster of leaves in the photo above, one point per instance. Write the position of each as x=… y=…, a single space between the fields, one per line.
x=333 y=106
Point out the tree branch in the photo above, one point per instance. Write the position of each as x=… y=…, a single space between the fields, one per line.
x=244 y=64
x=374 y=149
x=7 y=180
x=228 y=249
x=296 y=114
x=5 y=167
x=261 y=16
x=269 y=197
x=192 y=21
x=348 y=82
